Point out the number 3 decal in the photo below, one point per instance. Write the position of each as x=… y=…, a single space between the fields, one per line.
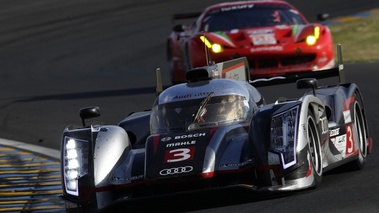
x=176 y=155
x=350 y=140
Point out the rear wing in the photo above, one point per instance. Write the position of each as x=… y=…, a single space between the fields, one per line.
x=238 y=69
x=337 y=71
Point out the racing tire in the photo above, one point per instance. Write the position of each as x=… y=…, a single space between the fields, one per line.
x=314 y=148
x=360 y=135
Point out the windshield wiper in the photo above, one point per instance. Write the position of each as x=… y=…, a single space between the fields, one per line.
x=202 y=106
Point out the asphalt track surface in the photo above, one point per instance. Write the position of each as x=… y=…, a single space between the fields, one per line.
x=58 y=56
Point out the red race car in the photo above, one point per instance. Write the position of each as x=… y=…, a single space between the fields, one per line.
x=273 y=35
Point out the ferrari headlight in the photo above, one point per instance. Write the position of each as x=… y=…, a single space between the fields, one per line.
x=283 y=135
x=75 y=163
x=312 y=39
x=216 y=48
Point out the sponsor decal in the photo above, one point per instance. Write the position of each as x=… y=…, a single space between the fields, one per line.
x=262 y=31
x=232 y=75
x=166 y=139
x=186 y=96
x=334 y=132
x=234 y=72
x=281 y=27
x=261 y=49
x=340 y=144
x=182 y=143
x=127 y=179
x=234 y=31
x=177 y=170
x=225 y=165
x=263 y=39
x=237 y=7
x=195 y=135
x=347 y=116
x=182 y=154
x=344 y=143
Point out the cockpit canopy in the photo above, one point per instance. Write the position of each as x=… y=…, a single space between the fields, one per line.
x=201 y=105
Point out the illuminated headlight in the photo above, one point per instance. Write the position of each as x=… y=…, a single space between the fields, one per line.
x=312 y=39
x=216 y=48
x=283 y=135
x=75 y=163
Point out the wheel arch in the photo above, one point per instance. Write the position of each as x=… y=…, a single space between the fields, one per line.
x=314 y=105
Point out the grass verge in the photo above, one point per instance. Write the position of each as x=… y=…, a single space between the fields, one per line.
x=359 y=38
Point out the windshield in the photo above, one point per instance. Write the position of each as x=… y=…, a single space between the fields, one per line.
x=195 y=113
x=257 y=16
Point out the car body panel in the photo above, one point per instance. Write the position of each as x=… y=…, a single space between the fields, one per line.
x=240 y=140
x=272 y=48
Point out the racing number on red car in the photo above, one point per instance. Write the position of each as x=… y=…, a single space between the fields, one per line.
x=182 y=154
x=261 y=39
x=349 y=140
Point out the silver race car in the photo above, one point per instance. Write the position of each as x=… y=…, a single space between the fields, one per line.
x=215 y=131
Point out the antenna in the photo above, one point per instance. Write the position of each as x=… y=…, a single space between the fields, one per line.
x=340 y=65
x=159 y=87
x=207 y=54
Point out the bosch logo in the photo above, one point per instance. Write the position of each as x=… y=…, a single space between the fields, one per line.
x=166 y=139
x=178 y=170
x=196 y=135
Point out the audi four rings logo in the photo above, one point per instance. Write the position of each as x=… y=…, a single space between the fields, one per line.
x=178 y=170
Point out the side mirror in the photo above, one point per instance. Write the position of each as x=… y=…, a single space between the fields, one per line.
x=307 y=83
x=178 y=28
x=89 y=112
x=322 y=16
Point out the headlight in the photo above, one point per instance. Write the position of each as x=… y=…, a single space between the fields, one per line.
x=312 y=39
x=75 y=163
x=216 y=48
x=283 y=135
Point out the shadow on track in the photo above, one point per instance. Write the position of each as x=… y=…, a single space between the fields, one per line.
x=193 y=201
x=87 y=95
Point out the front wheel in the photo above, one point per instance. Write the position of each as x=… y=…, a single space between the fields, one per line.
x=314 y=150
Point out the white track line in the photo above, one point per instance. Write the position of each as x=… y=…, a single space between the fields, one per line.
x=33 y=148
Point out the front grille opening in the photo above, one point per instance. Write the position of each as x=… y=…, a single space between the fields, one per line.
x=280 y=62
x=267 y=63
x=287 y=61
